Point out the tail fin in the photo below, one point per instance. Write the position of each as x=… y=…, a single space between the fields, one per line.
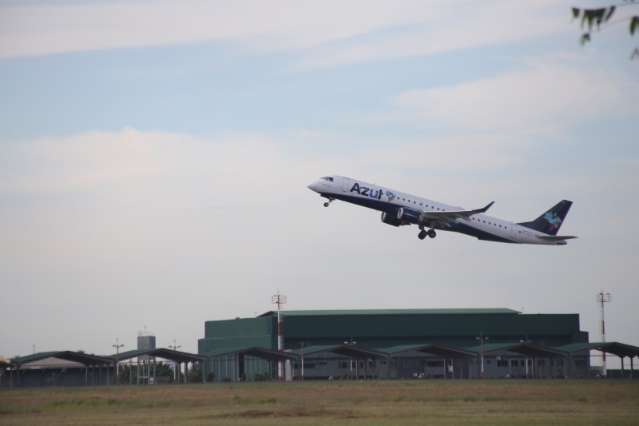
x=550 y=222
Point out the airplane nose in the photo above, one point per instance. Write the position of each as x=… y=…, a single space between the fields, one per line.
x=314 y=187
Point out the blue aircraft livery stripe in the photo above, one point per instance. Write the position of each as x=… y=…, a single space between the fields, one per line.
x=391 y=208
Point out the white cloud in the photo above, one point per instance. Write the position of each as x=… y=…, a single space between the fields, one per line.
x=547 y=94
x=39 y=29
x=51 y=28
x=96 y=160
x=459 y=25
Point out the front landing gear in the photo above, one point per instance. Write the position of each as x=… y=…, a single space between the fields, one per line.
x=328 y=203
x=423 y=233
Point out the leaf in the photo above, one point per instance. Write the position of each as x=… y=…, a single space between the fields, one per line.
x=609 y=14
x=593 y=16
x=599 y=16
x=575 y=12
x=634 y=23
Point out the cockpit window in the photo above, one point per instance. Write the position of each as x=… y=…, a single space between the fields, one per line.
x=328 y=178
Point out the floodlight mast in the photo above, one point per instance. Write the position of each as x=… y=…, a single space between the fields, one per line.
x=117 y=347
x=603 y=298
x=278 y=300
x=175 y=347
x=482 y=341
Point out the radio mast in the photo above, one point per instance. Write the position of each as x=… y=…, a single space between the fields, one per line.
x=602 y=299
x=278 y=300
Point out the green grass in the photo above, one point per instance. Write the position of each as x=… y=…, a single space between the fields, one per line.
x=424 y=402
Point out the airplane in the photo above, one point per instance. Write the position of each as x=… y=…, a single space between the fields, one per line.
x=399 y=209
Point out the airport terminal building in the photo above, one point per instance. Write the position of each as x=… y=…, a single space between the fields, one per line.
x=402 y=343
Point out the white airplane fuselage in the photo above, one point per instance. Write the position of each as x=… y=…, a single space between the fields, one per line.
x=401 y=208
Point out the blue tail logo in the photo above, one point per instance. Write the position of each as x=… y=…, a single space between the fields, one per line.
x=553 y=220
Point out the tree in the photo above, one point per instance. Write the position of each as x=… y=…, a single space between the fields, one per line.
x=600 y=18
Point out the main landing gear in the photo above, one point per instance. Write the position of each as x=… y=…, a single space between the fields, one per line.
x=423 y=233
x=328 y=203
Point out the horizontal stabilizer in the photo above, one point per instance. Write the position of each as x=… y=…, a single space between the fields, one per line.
x=556 y=237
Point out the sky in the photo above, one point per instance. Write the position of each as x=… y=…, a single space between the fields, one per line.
x=154 y=158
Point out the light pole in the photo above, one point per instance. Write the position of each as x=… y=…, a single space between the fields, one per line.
x=352 y=342
x=603 y=298
x=175 y=347
x=482 y=340
x=302 y=359
x=279 y=300
x=117 y=345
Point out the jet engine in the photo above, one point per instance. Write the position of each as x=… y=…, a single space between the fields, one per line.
x=390 y=219
x=408 y=215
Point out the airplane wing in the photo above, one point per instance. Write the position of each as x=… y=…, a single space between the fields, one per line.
x=451 y=216
x=556 y=237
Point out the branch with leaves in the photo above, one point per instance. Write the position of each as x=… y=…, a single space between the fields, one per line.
x=596 y=18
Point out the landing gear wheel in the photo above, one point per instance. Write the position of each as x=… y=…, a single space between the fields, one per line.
x=326 y=204
x=422 y=234
x=432 y=233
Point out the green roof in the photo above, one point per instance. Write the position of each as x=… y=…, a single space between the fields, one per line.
x=442 y=311
x=263 y=353
x=525 y=348
x=345 y=350
x=616 y=348
x=169 y=354
x=436 y=349
x=81 y=357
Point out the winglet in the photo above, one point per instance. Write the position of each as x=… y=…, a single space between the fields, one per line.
x=486 y=208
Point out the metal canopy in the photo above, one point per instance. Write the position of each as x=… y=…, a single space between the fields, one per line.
x=80 y=357
x=351 y=351
x=169 y=354
x=524 y=348
x=615 y=348
x=434 y=349
x=257 y=352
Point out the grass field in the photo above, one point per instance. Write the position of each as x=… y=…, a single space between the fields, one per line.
x=426 y=402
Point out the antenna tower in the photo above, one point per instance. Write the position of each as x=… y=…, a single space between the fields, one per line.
x=278 y=300
x=602 y=299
